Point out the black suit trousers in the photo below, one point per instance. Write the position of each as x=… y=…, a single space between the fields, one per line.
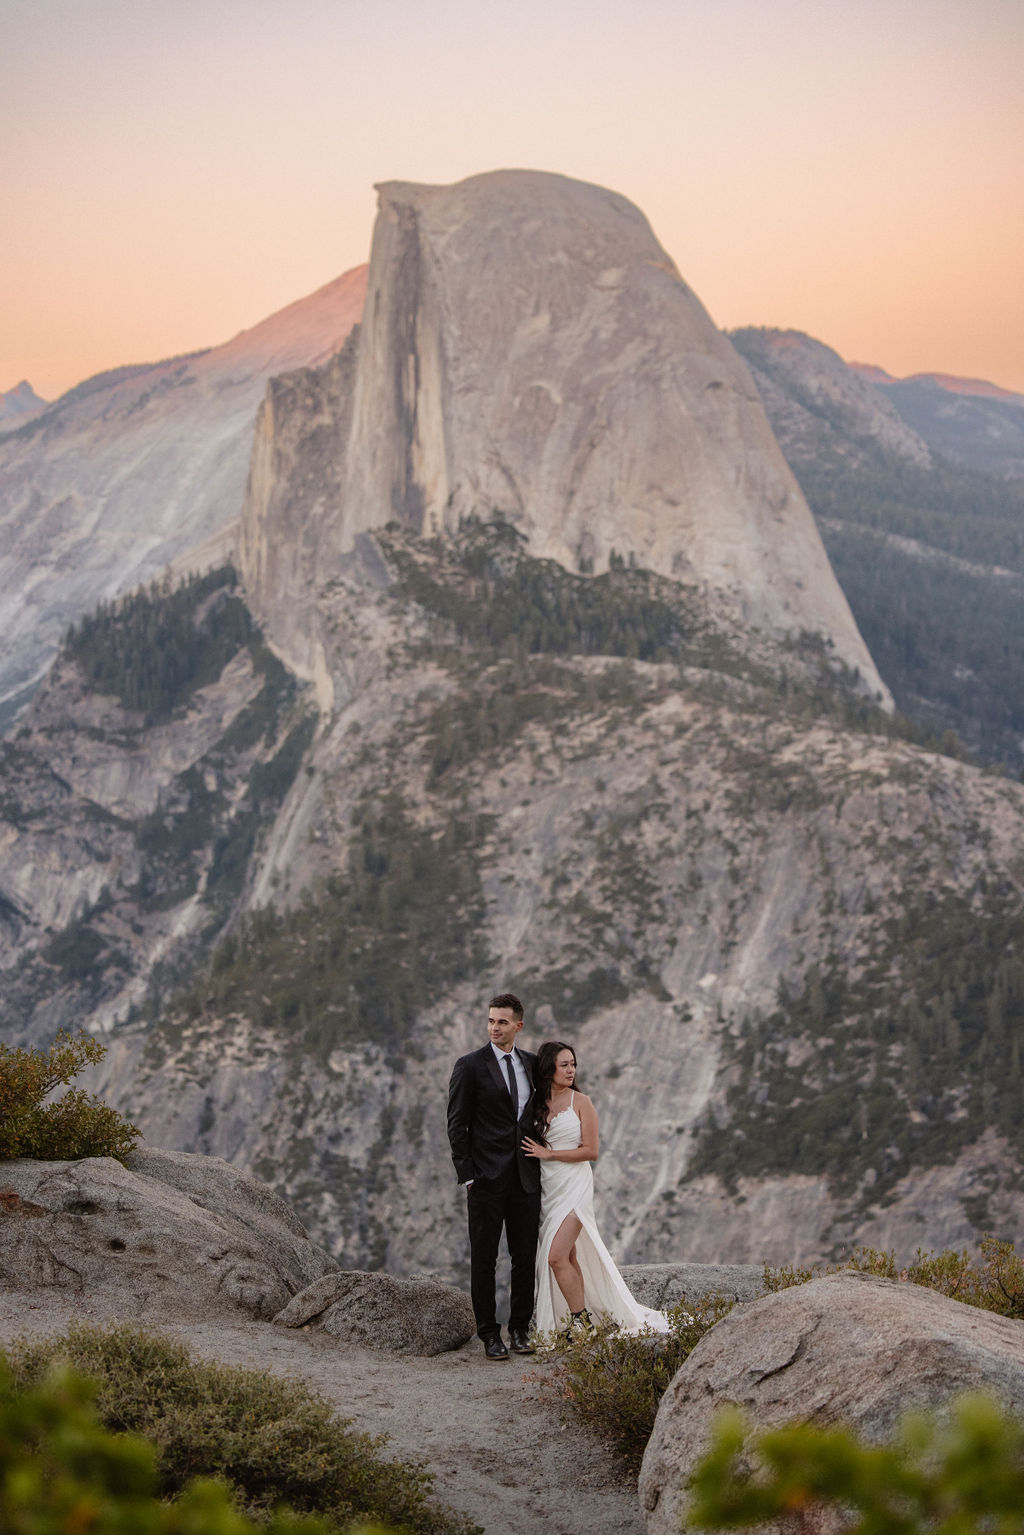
x=494 y=1203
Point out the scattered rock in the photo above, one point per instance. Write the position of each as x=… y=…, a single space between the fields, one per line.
x=662 y=1285
x=401 y=1316
x=171 y=1235
x=846 y=1348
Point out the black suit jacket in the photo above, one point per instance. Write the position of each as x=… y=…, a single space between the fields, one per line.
x=484 y=1133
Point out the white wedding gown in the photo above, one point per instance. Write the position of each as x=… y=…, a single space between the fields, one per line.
x=568 y=1188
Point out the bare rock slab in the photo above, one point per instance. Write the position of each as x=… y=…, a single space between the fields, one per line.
x=171 y=1235
x=846 y=1348
x=400 y=1316
x=662 y=1285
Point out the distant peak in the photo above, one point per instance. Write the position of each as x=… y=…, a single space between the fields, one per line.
x=950 y=382
x=871 y=372
x=22 y=396
x=19 y=405
x=954 y=385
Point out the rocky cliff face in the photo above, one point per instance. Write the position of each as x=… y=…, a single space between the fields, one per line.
x=125 y=830
x=529 y=350
x=785 y=940
x=817 y=404
x=782 y=942
x=136 y=468
x=921 y=517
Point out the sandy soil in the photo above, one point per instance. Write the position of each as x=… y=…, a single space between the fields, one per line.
x=498 y=1452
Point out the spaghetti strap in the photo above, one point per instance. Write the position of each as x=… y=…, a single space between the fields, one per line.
x=567 y=1189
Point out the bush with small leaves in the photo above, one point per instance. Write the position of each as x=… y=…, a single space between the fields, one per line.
x=613 y=1381
x=993 y=1282
x=961 y=1478
x=75 y=1125
x=62 y=1472
x=272 y=1442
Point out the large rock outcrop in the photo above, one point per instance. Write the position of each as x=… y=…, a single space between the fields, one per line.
x=170 y=1234
x=528 y=349
x=846 y=1348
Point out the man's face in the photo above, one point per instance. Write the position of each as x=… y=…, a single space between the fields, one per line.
x=502 y=1027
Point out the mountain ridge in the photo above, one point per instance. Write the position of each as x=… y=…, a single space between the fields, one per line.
x=784 y=937
x=135 y=468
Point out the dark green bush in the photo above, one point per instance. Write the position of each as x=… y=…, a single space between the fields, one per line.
x=270 y=1441
x=964 y=1479
x=495 y=596
x=74 y=1125
x=63 y=1473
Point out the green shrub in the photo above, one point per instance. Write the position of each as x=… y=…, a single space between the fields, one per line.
x=963 y=1479
x=613 y=1381
x=270 y=1441
x=62 y=1472
x=74 y=1125
x=994 y=1282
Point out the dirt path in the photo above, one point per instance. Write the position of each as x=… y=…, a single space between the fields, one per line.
x=499 y=1454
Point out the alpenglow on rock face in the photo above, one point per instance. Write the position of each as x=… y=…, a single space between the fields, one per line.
x=529 y=350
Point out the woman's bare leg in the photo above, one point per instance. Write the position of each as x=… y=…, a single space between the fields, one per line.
x=563 y=1264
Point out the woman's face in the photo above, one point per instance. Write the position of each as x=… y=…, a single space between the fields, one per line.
x=565 y=1069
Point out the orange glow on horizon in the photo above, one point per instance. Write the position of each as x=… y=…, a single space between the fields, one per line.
x=174 y=174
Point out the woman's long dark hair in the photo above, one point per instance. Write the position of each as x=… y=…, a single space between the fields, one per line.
x=543 y=1076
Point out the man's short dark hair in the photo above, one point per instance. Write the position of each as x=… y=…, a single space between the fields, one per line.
x=508 y=1000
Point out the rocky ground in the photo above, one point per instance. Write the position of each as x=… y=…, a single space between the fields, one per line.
x=498 y=1451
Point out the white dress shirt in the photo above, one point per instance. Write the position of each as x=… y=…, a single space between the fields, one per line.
x=522 y=1080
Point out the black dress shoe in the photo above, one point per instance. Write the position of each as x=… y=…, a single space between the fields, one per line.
x=519 y=1339
x=494 y=1348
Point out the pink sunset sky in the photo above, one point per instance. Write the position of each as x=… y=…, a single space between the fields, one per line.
x=175 y=170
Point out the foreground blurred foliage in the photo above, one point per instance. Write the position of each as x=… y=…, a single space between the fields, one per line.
x=961 y=1478
x=63 y=1473
x=268 y=1442
x=75 y=1125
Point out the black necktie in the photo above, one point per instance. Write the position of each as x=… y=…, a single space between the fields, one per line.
x=512 y=1084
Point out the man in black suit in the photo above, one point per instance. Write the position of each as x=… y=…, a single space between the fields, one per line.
x=489 y=1112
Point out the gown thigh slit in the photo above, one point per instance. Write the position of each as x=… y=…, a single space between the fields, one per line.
x=567 y=1188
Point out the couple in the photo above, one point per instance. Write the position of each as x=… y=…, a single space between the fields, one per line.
x=522 y=1142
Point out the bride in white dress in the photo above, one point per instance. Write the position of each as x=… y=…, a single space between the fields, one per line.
x=576 y=1276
